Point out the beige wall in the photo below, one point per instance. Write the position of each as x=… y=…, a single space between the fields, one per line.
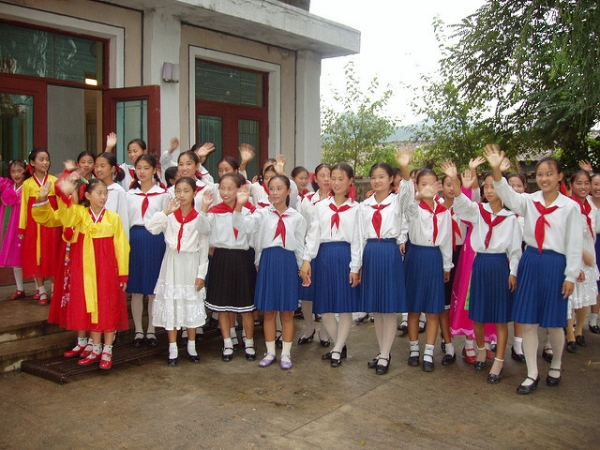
x=127 y=19
x=191 y=36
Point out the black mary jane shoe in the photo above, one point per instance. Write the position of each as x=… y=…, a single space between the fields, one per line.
x=594 y=329
x=151 y=340
x=361 y=318
x=580 y=340
x=250 y=356
x=343 y=354
x=527 y=389
x=225 y=357
x=547 y=355
x=381 y=369
x=336 y=362
x=305 y=340
x=493 y=378
x=138 y=341
x=173 y=362
x=448 y=359
x=194 y=358
x=517 y=357
x=373 y=363
x=553 y=381
x=428 y=366
x=572 y=347
x=325 y=343
x=479 y=366
x=414 y=361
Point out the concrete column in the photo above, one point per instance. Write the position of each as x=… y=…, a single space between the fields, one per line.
x=162 y=39
x=308 y=110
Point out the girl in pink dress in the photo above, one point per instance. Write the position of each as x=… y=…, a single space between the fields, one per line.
x=10 y=209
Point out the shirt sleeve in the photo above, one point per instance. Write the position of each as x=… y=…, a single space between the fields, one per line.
x=573 y=243
x=157 y=223
x=512 y=200
x=514 y=250
x=465 y=209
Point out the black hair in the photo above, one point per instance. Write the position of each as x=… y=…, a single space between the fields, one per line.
x=576 y=174
x=34 y=153
x=287 y=183
x=314 y=183
x=231 y=161
x=89 y=188
x=86 y=153
x=171 y=174
x=112 y=162
x=387 y=168
x=139 y=142
x=549 y=160
x=424 y=172
x=236 y=177
x=150 y=160
x=22 y=165
x=272 y=161
x=297 y=171
x=518 y=175
x=190 y=155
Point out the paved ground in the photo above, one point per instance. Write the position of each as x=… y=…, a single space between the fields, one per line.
x=221 y=405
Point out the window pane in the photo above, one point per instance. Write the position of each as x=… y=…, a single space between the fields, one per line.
x=132 y=123
x=210 y=129
x=38 y=53
x=228 y=85
x=16 y=129
x=249 y=133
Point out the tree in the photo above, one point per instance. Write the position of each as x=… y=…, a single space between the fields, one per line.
x=538 y=64
x=355 y=133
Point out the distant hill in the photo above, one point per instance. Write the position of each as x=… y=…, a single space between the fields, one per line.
x=404 y=133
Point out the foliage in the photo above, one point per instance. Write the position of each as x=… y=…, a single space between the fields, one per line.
x=537 y=63
x=355 y=134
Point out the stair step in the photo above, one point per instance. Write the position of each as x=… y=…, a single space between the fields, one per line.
x=40 y=347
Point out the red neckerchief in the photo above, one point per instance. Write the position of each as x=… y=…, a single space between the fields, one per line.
x=541 y=222
x=335 y=219
x=280 y=231
x=376 y=219
x=438 y=209
x=182 y=221
x=263 y=204
x=199 y=188
x=586 y=209
x=487 y=218
x=304 y=193
x=223 y=208
x=146 y=202
x=455 y=230
x=265 y=188
x=132 y=173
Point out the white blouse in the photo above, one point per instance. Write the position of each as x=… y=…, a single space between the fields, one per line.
x=220 y=230
x=117 y=202
x=156 y=203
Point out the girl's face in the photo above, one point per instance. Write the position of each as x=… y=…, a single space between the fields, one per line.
x=426 y=180
x=448 y=188
x=278 y=192
x=381 y=181
x=548 y=178
x=301 y=181
x=228 y=190
x=86 y=165
x=340 y=182
x=488 y=190
x=581 y=187
x=224 y=168
x=17 y=174
x=134 y=151
x=267 y=177
x=595 y=189
x=516 y=184
x=97 y=197
x=104 y=171
x=185 y=194
x=323 y=177
x=144 y=171
x=41 y=163
x=187 y=167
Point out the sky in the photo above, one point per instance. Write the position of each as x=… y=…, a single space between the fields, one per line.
x=397 y=44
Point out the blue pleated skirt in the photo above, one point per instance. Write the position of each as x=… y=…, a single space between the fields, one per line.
x=145 y=258
x=333 y=293
x=538 y=298
x=597 y=247
x=491 y=301
x=382 y=287
x=424 y=270
x=307 y=293
x=275 y=286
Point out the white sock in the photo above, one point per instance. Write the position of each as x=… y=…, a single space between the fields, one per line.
x=18 y=272
x=227 y=346
x=249 y=343
x=428 y=355
x=233 y=335
x=97 y=348
x=42 y=289
x=191 y=347
x=449 y=348
x=82 y=342
x=270 y=347
x=287 y=348
x=488 y=346
x=107 y=349
x=173 y=351
x=593 y=318
x=469 y=344
x=518 y=345
x=414 y=348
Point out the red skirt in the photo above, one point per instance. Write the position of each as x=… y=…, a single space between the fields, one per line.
x=50 y=239
x=112 y=305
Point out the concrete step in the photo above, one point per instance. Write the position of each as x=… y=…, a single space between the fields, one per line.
x=40 y=347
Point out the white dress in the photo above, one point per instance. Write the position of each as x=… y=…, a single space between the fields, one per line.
x=177 y=303
x=585 y=292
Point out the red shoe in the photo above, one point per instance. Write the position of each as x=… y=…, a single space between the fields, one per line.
x=17 y=295
x=37 y=294
x=77 y=350
x=43 y=300
x=91 y=358
x=87 y=351
x=469 y=355
x=106 y=361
